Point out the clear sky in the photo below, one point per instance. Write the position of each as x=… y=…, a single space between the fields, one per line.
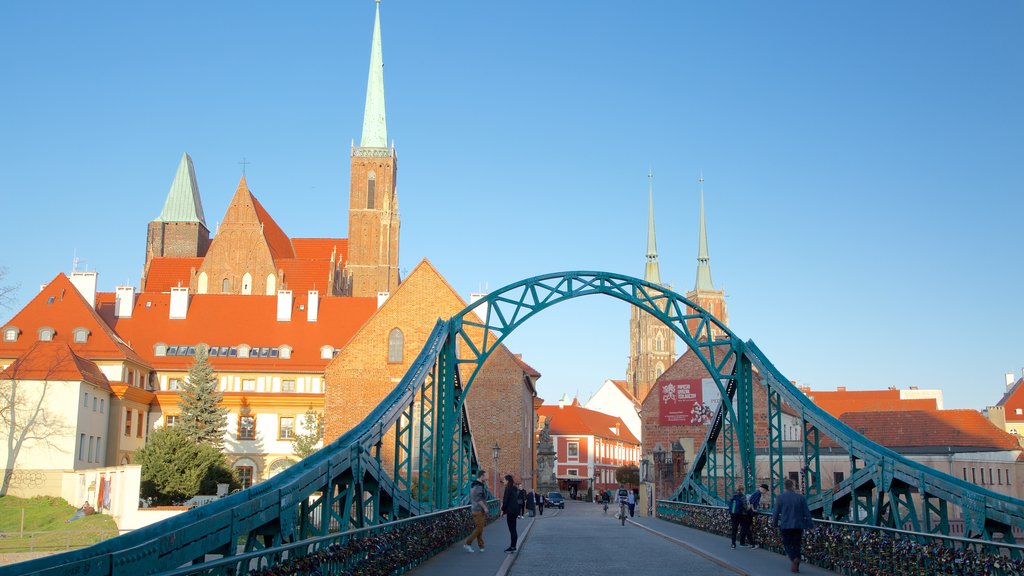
x=862 y=160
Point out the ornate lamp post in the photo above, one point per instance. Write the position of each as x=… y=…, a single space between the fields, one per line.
x=659 y=463
x=495 y=452
x=645 y=480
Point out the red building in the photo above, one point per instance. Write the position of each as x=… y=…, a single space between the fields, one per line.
x=589 y=445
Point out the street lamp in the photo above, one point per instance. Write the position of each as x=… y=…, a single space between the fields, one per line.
x=494 y=454
x=596 y=476
x=645 y=481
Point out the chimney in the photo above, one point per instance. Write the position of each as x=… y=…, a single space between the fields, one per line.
x=312 y=306
x=124 y=301
x=86 y=284
x=179 y=303
x=284 y=305
x=840 y=388
x=382 y=297
x=481 y=310
x=1009 y=380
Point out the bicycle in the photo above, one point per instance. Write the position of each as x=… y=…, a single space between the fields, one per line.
x=622 y=512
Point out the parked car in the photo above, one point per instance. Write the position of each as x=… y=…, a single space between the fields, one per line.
x=555 y=500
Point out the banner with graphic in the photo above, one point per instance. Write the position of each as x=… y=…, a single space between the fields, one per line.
x=687 y=402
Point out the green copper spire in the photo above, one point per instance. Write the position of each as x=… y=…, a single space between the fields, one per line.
x=703 y=260
x=375 y=128
x=183 y=203
x=651 y=273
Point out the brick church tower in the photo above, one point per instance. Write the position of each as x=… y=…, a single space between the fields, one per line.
x=704 y=293
x=373 y=222
x=652 y=345
x=180 y=231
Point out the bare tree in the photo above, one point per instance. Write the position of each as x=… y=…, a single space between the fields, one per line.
x=23 y=414
x=7 y=291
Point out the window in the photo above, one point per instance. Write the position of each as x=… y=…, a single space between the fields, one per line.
x=214 y=351
x=85 y=401
x=999 y=476
x=160 y=349
x=225 y=286
x=80 y=335
x=11 y=334
x=138 y=428
x=172 y=420
x=46 y=334
x=795 y=477
x=287 y=385
x=990 y=476
x=965 y=474
x=243 y=350
x=174 y=384
x=247 y=428
x=287 y=428
x=92 y=442
x=573 y=472
x=244 y=476
x=1019 y=411
x=95 y=404
x=81 y=446
x=573 y=450
x=273 y=352
x=249 y=385
x=395 y=344
x=326 y=352
x=102 y=404
x=974 y=476
x=127 y=422
x=286 y=352
x=172 y=351
x=278 y=466
x=838 y=477
x=371 y=190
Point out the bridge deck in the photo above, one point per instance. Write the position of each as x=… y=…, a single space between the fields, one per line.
x=582 y=540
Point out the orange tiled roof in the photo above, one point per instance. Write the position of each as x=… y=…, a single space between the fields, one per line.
x=1013 y=400
x=930 y=428
x=305 y=275
x=576 y=420
x=838 y=402
x=55 y=361
x=279 y=243
x=166 y=273
x=321 y=248
x=60 y=306
x=230 y=320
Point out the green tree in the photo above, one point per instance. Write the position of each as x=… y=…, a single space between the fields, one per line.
x=202 y=417
x=628 y=475
x=312 y=433
x=176 y=468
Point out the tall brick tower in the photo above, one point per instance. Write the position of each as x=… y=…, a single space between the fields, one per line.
x=373 y=222
x=180 y=230
x=704 y=293
x=652 y=345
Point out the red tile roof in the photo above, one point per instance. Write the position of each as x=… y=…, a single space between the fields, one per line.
x=60 y=306
x=838 y=402
x=930 y=428
x=321 y=248
x=55 y=361
x=576 y=420
x=279 y=243
x=230 y=320
x=305 y=275
x=1013 y=400
x=166 y=273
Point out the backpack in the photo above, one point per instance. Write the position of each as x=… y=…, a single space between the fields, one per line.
x=738 y=504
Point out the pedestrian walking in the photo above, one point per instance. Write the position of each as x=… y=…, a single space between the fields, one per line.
x=540 y=502
x=792 y=516
x=510 y=508
x=747 y=522
x=631 y=502
x=739 y=509
x=478 y=506
x=521 y=499
x=531 y=504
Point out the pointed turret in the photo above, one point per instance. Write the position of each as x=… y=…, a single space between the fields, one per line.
x=703 y=260
x=375 y=129
x=183 y=203
x=651 y=273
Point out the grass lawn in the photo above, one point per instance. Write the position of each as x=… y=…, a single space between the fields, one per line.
x=46 y=526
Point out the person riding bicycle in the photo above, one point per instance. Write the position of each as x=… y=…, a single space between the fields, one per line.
x=621 y=497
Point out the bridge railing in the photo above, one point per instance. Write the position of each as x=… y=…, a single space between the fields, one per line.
x=857 y=549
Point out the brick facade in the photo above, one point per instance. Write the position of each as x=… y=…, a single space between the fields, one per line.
x=500 y=399
x=373 y=223
x=176 y=239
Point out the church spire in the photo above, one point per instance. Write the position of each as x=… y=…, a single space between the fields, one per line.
x=651 y=273
x=183 y=203
x=703 y=260
x=375 y=130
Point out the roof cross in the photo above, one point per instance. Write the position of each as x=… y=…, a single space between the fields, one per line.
x=244 y=163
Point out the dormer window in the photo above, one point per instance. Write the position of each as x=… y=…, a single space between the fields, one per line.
x=160 y=349
x=80 y=335
x=285 y=351
x=46 y=334
x=243 y=350
x=11 y=334
x=326 y=352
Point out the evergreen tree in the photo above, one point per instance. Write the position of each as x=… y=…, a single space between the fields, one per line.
x=202 y=418
x=176 y=468
x=312 y=433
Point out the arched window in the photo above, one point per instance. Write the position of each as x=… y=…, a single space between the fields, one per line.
x=225 y=286
x=395 y=344
x=271 y=284
x=371 y=190
x=202 y=285
x=46 y=334
x=659 y=344
x=80 y=335
x=246 y=283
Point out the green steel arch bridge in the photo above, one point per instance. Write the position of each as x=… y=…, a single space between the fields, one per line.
x=357 y=483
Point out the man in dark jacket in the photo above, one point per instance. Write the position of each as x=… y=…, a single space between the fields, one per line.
x=738 y=507
x=478 y=506
x=510 y=508
x=792 y=516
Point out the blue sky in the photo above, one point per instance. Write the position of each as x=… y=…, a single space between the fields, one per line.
x=862 y=161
